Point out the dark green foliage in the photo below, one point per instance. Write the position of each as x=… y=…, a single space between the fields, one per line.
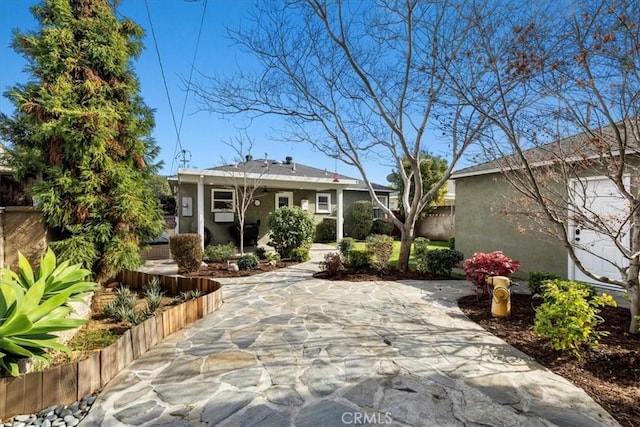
x=248 y=262
x=452 y=243
x=379 y=247
x=432 y=169
x=421 y=254
x=569 y=316
x=381 y=226
x=261 y=252
x=326 y=230
x=332 y=263
x=81 y=125
x=359 y=220
x=300 y=255
x=186 y=251
x=345 y=246
x=359 y=259
x=537 y=279
x=442 y=261
x=291 y=228
x=219 y=253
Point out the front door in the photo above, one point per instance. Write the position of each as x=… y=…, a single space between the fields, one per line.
x=598 y=252
x=284 y=199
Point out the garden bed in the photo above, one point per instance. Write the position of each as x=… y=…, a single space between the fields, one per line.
x=372 y=275
x=221 y=269
x=610 y=374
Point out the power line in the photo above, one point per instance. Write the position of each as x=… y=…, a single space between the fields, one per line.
x=193 y=66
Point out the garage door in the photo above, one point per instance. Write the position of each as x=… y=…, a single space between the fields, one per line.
x=596 y=251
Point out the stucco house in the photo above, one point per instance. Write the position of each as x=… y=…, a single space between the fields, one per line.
x=483 y=195
x=206 y=197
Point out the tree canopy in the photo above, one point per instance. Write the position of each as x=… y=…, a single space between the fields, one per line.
x=81 y=127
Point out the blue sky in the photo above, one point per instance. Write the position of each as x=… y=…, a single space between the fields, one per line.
x=176 y=24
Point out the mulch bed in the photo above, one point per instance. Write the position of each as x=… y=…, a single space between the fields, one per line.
x=371 y=275
x=221 y=269
x=610 y=374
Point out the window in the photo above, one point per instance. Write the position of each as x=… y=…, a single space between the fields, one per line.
x=284 y=199
x=222 y=200
x=377 y=212
x=323 y=203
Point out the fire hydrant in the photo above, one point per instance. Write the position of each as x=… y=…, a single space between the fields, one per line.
x=500 y=296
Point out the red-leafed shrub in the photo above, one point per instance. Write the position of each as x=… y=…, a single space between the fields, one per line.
x=482 y=265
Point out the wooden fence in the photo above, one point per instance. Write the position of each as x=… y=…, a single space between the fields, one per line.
x=66 y=384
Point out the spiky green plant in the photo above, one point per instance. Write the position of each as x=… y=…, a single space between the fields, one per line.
x=153 y=293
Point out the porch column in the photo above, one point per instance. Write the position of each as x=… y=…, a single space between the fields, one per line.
x=340 y=219
x=200 y=199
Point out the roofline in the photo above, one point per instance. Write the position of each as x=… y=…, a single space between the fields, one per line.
x=261 y=176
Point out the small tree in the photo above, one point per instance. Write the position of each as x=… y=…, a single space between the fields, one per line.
x=291 y=228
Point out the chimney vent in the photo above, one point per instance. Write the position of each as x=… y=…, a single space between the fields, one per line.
x=248 y=157
x=288 y=160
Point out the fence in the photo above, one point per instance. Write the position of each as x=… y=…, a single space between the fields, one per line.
x=66 y=384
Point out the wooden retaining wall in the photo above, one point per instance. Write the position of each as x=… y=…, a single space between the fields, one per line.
x=30 y=393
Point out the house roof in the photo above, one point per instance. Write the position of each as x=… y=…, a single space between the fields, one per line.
x=582 y=146
x=286 y=170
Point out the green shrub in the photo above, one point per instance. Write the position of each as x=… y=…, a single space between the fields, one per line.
x=186 y=251
x=219 y=253
x=332 y=263
x=291 y=228
x=442 y=261
x=569 y=316
x=300 y=255
x=28 y=319
x=273 y=257
x=359 y=220
x=358 y=259
x=421 y=254
x=261 y=252
x=345 y=246
x=381 y=226
x=326 y=230
x=153 y=293
x=537 y=279
x=248 y=262
x=379 y=247
x=452 y=243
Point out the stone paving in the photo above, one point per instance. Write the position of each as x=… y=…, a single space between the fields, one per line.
x=286 y=349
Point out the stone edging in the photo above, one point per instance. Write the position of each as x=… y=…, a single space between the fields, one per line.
x=32 y=392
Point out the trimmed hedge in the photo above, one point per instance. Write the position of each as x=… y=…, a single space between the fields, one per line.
x=326 y=230
x=359 y=220
x=186 y=251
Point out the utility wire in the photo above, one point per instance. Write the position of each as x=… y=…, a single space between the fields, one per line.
x=186 y=95
x=164 y=79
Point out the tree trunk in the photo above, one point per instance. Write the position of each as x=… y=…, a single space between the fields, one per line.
x=634 y=306
x=406 y=239
x=242 y=237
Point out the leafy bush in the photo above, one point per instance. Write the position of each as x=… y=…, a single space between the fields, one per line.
x=28 y=318
x=273 y=257
x=358 y=259
x=326 y=230
x=345 y=246
x=569 y=316
x=219 y=253
x=379 y=247
x=537 y=279
x=300 y=255
x=291 y=228
x=261 y=252
x=421 y=254
x=186 y=251
x=381 y=226
x=332 y=263
x=248 y=262
x=482 y=265
x=359 y=220
x=452 y=243
x=442 y=261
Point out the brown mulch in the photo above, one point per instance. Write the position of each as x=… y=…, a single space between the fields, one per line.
x=221 y=269
x=610 y=374
x=372 y=275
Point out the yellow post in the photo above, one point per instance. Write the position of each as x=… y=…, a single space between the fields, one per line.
x=501 y=296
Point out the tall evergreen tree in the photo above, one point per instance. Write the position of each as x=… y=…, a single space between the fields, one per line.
x=81 y=128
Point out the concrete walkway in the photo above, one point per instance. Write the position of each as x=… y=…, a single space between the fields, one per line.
x=286 y=349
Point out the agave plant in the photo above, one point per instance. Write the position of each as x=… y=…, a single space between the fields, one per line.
x=32 y=307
